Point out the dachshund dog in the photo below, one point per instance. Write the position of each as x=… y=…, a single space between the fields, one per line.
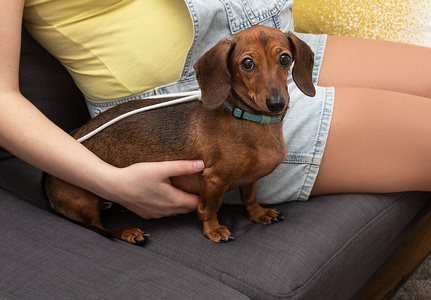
x=236 y=130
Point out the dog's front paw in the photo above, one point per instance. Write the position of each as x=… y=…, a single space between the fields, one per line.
x=265 y=216
x=217 y=233
x=134 y=236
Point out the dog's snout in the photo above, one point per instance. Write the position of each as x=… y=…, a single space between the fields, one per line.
x=275 y=103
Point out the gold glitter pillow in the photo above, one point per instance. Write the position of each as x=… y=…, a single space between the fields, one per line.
x=407 y=21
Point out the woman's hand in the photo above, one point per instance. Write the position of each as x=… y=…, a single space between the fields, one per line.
x=145 y=189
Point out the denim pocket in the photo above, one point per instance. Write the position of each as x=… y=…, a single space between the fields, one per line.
x=246 y=13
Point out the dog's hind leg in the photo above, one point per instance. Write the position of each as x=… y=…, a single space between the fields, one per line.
x=83 y=207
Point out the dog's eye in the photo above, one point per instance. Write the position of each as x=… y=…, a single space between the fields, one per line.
x=247 y=64
x=285 y=60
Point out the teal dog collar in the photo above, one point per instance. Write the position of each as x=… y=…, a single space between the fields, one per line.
x=262 y=119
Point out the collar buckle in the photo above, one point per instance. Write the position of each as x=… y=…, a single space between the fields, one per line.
x=238 y=112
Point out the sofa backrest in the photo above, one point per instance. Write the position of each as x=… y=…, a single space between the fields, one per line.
x=47 y=84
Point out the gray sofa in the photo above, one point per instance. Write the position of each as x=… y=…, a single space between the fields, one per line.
x=327 y=248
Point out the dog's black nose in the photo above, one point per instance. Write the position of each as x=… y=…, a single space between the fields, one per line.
x=275 y=103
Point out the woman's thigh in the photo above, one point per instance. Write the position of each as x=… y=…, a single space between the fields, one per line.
x=365 y=63
x=380 y=136
x=379 y=141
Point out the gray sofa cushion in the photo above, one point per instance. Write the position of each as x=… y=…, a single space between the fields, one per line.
x=324 y=244
x=46 y=257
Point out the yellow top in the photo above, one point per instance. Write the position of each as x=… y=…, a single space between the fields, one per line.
x=114 y=48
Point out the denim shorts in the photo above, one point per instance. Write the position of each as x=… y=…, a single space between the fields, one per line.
x=307 y=121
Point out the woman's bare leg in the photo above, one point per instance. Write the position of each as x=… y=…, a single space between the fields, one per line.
x=380 y=137
x=379 y=141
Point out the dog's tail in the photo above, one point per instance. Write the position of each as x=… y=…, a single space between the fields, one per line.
x=99 y=230
x=94 y=228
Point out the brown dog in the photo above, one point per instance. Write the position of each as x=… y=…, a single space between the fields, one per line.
x=240 y=141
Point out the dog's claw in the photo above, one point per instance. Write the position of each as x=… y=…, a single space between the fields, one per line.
x=231 y=238
x=138 y=242
x=142 y=242
x=280 y=216
x=277 y=219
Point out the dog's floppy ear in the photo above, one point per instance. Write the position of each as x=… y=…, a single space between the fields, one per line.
x=302 y=71
x=213 y=75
